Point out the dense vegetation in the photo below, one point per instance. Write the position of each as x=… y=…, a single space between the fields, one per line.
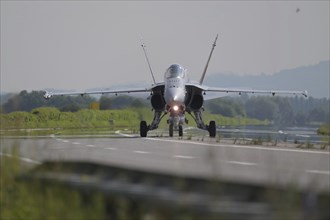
x=50 y=117
x=25 y=101
x=282 y=111
x=37 y=200
x=324 y=130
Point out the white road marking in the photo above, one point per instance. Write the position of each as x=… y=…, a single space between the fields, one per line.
x=241 y=146
x=25 y=159
x=141 y=152
x=65 y=141
x=241 y=163
x=183 y=157
x=110 y=148
x=28 y=160
x=75 y=143
x=325 y=172
x=125 y=135
x=90 y=145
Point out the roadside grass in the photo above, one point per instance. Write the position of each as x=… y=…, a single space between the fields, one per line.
x=47 y=120
x=324 y=130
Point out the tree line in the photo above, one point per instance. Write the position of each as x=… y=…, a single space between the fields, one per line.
x=26 y=101
x=288 y=111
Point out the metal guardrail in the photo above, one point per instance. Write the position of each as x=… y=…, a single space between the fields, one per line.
x=200 y=197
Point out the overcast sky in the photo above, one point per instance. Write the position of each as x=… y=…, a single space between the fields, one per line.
x=82 y=45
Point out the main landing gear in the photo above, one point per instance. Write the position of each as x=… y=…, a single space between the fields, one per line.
x=212 y=129
x=143 y=129
x=175 y=124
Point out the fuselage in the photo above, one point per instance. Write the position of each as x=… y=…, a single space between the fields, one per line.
x=175 y=92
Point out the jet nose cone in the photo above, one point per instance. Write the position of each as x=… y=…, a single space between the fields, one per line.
x=174 y=96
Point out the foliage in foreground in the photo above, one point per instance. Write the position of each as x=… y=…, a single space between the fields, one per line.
x=36 y=200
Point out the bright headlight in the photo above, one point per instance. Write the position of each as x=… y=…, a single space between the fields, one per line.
x=175 y=108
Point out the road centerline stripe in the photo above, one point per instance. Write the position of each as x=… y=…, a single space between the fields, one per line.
x=325 y=172
x=183 y=157
x=110 y=148
x=141 y=152
x=241 y=163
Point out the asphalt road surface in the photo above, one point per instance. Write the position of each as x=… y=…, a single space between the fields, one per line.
x=306 y=169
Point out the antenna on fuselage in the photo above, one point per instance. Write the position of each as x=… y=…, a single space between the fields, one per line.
x=145 y=54
x=207 y=63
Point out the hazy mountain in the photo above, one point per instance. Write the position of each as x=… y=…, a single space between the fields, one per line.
x=5 y=96
x=314 y=79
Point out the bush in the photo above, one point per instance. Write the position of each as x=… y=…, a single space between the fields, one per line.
x=324 y=130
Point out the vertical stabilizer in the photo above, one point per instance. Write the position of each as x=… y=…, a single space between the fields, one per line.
x=207 y=63
x=145 y=54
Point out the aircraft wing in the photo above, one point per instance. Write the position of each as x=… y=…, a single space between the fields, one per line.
x=272 y=92
x=155 y=87
x=240 y=91
x=48 y=95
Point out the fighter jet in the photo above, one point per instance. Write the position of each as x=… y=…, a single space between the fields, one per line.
x=176 y=96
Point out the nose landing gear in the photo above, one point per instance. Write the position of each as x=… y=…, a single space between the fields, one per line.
x=175 y=124
x=171 y=130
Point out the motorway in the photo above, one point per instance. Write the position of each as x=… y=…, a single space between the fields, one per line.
x=306 y=169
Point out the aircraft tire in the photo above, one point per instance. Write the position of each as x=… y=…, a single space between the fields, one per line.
x=143 y=129
x=180 y=131
x=170 y=130
x=212 y=129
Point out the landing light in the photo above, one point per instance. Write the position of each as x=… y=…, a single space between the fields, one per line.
x=175 y=108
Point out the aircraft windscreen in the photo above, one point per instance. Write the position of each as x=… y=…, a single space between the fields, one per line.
x=175 y=71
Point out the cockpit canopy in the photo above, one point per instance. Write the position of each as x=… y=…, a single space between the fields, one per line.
x=175 y=71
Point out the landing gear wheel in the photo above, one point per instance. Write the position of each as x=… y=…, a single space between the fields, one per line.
x=143 y=129
x=212 y=129
x=180 y=131
x=170 y=130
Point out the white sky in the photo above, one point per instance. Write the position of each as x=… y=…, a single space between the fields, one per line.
x=82 y=45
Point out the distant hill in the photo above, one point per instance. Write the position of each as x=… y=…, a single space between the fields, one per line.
x=313 y=78
x=5 y=96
